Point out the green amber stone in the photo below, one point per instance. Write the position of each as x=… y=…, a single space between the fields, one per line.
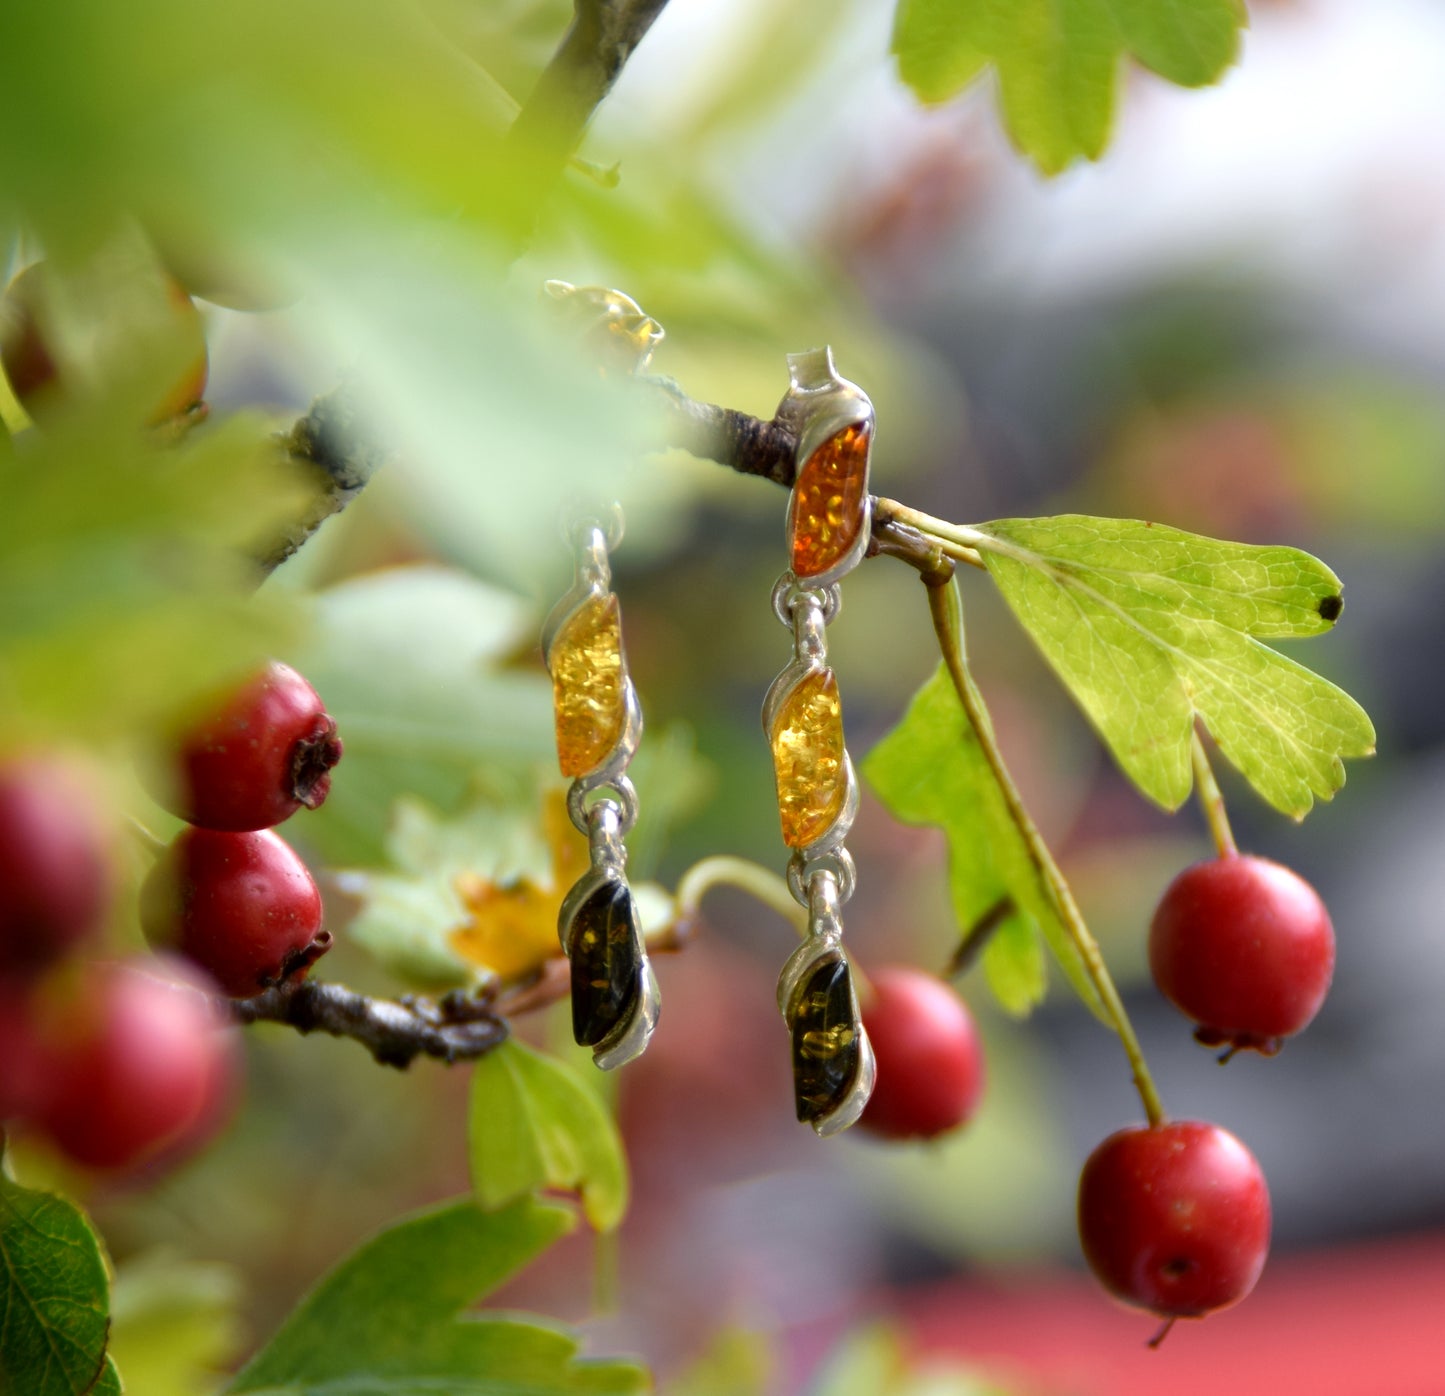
x=606 y=954
x=825 y=1039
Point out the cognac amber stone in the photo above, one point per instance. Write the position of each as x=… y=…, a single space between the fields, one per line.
x=827 y=510
x=588 y=685
x=807 y=740
x=825 y=1039
x=605 y=948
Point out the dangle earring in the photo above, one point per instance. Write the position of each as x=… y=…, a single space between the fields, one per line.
x=828 y=526
x=599 y=722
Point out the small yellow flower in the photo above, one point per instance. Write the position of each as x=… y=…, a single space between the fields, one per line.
x=511 y=926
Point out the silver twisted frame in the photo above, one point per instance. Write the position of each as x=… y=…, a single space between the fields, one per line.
x=821 y=874
x=607 y=820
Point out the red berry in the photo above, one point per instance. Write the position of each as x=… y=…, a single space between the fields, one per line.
x=1245 y=948
x=259 y=758
x=36 y=377
x=57 y=870
x=23 y=353
x=27 y=1053
x=1174 y=1219
x=929 y=1056
x=147 y=1063
x=242 y=906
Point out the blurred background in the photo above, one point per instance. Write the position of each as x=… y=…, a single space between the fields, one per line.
x=1234 y=324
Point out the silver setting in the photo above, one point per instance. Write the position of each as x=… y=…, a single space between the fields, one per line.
x=629 y=1041
x=825 y=941
x=818 y=405
x=821 y=875
x=606 y=821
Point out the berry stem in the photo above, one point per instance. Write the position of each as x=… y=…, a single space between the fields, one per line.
x=725 y=871
x=946 y=608
x=956 y=541
x=1211 y=801
x=152 y=845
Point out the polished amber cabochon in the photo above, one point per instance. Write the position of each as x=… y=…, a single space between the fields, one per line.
x=809 y=759
x=588 y=685
x=829 y=503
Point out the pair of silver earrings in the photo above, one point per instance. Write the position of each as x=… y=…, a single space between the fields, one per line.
x=599 y=723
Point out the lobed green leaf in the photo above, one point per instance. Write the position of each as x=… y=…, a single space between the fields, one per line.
x=533 y=1124
x=1153 y=629
x=385 y=1321
x=1058 y=61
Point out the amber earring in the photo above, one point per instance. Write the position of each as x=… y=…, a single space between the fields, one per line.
x=599 y=723
x=828 y=524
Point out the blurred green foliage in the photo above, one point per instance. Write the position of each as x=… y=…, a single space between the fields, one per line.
x=173 y=1323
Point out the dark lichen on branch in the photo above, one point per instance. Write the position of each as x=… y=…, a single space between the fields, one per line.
x=395 y=1032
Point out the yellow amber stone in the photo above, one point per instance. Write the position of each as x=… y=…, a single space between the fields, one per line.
x=588 y=680
x=828 y=504
x=807 y=741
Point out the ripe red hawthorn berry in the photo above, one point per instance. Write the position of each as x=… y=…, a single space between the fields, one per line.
x=27 y=1056
x=1174 y=1219
x=30 y=364
x=255 y=760
x=928 y=1053
x=143 y=1067
x=57 y=861
x=1245 y=948
x=240 y=905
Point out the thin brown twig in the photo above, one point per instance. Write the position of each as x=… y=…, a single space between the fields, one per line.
x=455 y=1028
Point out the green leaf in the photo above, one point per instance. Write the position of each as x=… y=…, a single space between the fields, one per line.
x=124 y=570
x=385 y=1321
x=1058 y=61
x=533 y=1124
x=1152 y=628
x=54 y=1298
x=110 y=1383
x=931 y=770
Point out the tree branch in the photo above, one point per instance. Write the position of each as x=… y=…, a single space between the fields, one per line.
x=742 y=443
x=455 y=1028
x=544 y=138
x=339 y=455
x=552 y=121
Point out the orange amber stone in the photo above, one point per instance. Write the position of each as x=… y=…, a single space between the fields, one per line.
x=827 y=509
x=807 y=741
x=588 y=681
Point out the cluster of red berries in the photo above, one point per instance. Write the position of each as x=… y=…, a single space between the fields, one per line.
x=118 y=1063
x=1173 y=1218
x=229 y=894
x=124 y=1064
